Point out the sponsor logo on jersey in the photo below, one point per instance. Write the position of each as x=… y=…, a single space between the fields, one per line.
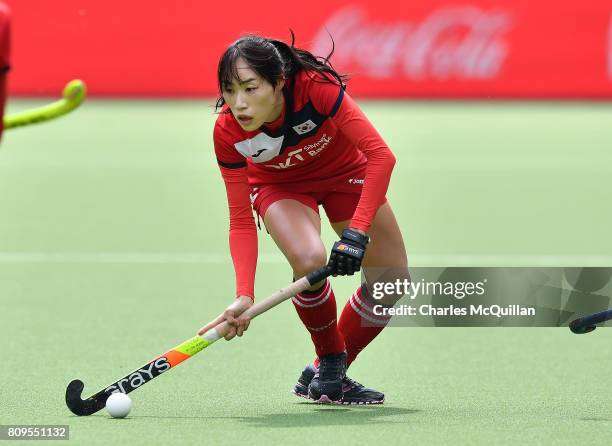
x=297 y=156
x=356 y=181
x=304 y=127
x=139 y=377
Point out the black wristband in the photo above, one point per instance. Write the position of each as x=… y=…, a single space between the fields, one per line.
x=354 y=236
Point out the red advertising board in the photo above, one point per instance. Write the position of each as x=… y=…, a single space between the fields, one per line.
x=428 y=48
x=5 y=45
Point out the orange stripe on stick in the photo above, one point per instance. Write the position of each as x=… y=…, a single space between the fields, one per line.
x=175 y=357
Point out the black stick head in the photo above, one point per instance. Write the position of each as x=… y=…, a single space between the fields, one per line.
x=587 y=324
x=79 y=406
x=577 y=328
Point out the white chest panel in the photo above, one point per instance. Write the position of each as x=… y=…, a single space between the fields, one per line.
x=261 y=148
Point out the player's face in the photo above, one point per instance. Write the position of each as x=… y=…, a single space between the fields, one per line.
x=253 y=100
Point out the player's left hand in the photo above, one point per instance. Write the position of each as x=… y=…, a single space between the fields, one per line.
x=347 y=253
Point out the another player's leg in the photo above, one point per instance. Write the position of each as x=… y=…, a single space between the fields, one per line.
x=295 y=227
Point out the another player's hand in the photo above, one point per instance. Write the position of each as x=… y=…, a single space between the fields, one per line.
x=238 y=325
x=347 y=253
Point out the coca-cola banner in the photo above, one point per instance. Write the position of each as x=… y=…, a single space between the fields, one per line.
x=422 y=48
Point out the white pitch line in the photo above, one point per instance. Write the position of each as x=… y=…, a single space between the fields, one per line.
x=277 y=258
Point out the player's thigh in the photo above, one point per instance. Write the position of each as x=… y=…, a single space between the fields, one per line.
x=296 y=230
x=386 y=246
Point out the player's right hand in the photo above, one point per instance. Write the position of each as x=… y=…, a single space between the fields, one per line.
x=238 y=325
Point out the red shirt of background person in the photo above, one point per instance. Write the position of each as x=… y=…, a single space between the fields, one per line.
x=288 y=139
x=5 y=35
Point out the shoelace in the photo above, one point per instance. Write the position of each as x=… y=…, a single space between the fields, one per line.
x=348 y=384
x=352 y=382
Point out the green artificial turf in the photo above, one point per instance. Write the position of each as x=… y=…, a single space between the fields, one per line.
x=113 y=249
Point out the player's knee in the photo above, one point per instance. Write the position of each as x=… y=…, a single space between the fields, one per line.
x=306 y=262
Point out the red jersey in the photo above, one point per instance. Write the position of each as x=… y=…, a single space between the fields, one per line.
x=320 y=135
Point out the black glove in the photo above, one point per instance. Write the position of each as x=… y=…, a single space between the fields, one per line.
x=347 y=254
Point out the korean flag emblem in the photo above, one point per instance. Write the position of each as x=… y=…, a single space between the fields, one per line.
x=304 y=127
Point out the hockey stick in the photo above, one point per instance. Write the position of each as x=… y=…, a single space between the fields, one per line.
x=73 y=95
x=587 y=324
x=180 y=353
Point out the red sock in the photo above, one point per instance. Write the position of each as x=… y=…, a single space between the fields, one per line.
x=317 y=310
x=358 y=323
